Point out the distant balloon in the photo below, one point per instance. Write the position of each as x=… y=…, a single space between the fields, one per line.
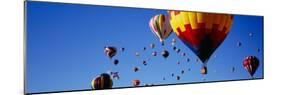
x=154 y=53
x=251 y=64
x=110 y=51
x=258 y=50
x=102 y=82
x=178 y=62
x=144 y=63
x=178 y=50
x=187 y=59
x=232 y=69
x=178 y=77
x=204 y=70
x=251 y=34
x=152 y=45
x=136 y=69
x=137 y=54
x=136 y=83
x=197 y=60
x=174 y=48
x=122 y=49
x=115 y=75
x=172 y=74
x=239 y=44
x=144 y=48
x=115 y=62
x=183 y=54
x=182 y=71
x=174 y=41
x=165 y=53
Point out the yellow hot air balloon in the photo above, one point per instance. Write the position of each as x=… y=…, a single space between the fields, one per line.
x=201 y=32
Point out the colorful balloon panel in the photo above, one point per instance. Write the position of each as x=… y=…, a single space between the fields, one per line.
x=201 y=32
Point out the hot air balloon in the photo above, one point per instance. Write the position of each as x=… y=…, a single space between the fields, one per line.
x=203 y=70
x=178 y=77
x=122 y=49
x=232 y=69
x=165 y=53
x=182 y=71
x=187 y=59
x=115 y=62
x=110 y=51
x=144 y=48
x=144 y=63
x=154 y=53
x=251 y=34
x=183 y=54
x=136 y=83
x=172 y=74
x=174 y=42
x=152 y=45
x=251 y=64
x=178 y=62
x=102 y=82
x=178 y=50
x=115 y=75
x=160 y=27
x=201 y=32
x=136 y=69
x=239 y=44
x=258 y=50
x=137 y=54
x=174 y=48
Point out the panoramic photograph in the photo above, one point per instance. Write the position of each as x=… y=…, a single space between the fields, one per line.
x=74 y=47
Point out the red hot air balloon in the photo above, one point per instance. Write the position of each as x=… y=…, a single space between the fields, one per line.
x=251 y=64
x=136 y=83
x=110 y=51
x=201 y=32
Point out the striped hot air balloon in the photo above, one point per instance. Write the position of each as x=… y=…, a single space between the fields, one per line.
x=160 y=27
x=103 y=81
x=201 y=32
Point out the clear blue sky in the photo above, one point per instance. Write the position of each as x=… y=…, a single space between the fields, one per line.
x=65 y=45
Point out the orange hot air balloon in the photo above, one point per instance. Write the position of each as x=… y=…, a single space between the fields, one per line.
x=136 y=83
x=201 y=32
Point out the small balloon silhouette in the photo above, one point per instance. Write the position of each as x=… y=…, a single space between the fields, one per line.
x=165 y=53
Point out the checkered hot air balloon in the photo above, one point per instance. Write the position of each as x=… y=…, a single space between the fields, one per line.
x=201 y=32
x=160 y=27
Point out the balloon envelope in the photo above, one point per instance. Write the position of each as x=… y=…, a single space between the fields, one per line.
x=160 y=27
x=251 y=63
x=110 y=51
x=165 y=53
x=201 y=32
x=136 y=83
x=103 y=81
